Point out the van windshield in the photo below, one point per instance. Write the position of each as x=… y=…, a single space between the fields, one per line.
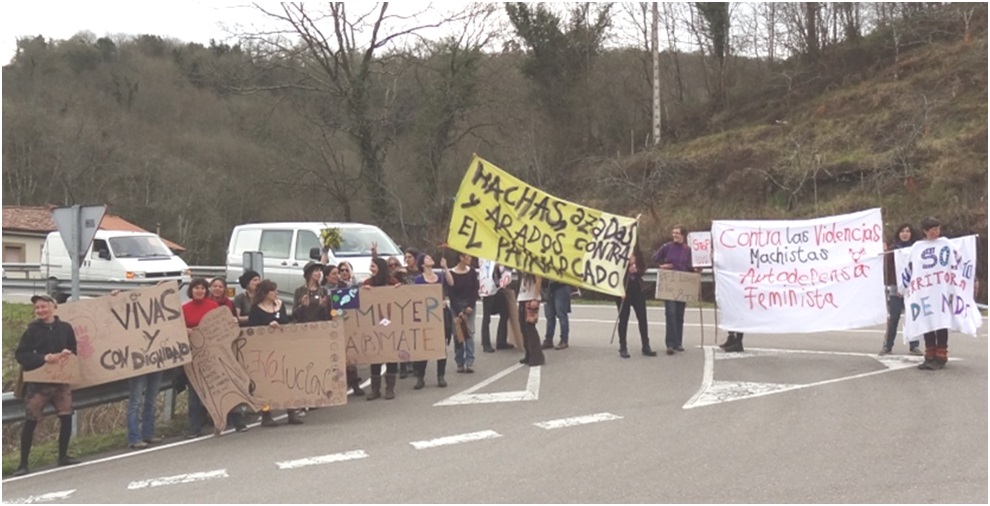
x=139 y=246
x=356 y=242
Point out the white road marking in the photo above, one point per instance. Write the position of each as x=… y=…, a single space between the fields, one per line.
x=716 y=392
x=178 y=479
x=323 y=459
x=453 y=440
x=468 y=396
x=577 y=420
x=51 y=496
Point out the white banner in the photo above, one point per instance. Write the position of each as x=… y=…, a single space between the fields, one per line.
x=788 y=276
x=701 y=248
x=937 y=281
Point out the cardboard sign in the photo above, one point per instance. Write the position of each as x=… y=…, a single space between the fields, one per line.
x=219 y=378
x=678 y=286
x=501 y=218
x=296 y=366
x=395 y=324
x=128 y=334
x=789 y=276
x=701 y=248
x=65 y=370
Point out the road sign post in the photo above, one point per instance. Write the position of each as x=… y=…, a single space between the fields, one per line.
x=78 y=225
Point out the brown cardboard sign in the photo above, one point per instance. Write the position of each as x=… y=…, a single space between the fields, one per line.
x=678 y=286
x=64 y=370
x=129 y=334
x=395 y=324
x=220 y=380
x=295 y=366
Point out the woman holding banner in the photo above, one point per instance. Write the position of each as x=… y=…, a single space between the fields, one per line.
x=904 y=238
x=674 y=255
x=636 y=301
x=380 y=277
x=268 y=310
x=529 y=313
x=193 y=312
x=937 y=341
x=424 y=265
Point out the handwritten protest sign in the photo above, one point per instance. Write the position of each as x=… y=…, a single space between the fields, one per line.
x=500 y=218
x=936 y=279
x=296 y=366
x=394 y=324
x=220 y=380
x=678 y=285
x=701 y=248
x=129 y=334
x=800 y=275
x=65 y=370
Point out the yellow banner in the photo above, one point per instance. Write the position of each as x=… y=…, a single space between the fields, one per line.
x=500 y=218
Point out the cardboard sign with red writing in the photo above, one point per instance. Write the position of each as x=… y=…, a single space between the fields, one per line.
x=295 y=366
x=129 y=334
x=395 y=324
x=64 y=370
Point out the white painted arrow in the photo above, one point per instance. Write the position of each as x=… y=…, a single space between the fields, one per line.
x=468 y=396
x=177 y=479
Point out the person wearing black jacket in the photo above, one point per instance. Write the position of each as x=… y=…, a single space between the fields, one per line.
x=46 y=340
x=636 y=301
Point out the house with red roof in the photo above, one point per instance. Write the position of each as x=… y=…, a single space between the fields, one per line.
x=26 y=227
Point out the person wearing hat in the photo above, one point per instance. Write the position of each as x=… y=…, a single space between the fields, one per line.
x=244 y=300
x=46 y=340
x=311 y=302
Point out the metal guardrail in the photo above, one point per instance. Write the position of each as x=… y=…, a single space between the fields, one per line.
x=13 y=409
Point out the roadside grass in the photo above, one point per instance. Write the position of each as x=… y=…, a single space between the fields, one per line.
x=16 y=318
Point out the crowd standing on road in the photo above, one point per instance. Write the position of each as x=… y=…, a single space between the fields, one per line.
x=47 y=339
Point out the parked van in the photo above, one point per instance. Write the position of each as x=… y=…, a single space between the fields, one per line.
x=115 y=256
x=287 y=247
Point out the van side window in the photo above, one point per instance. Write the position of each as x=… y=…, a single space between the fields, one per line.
x=98 y=244
x=305 y=241
x=276 y=243
x=247 y=240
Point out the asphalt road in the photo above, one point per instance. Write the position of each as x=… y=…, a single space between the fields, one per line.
x=798 y=418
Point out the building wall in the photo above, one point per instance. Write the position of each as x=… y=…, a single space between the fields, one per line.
x=22 y=248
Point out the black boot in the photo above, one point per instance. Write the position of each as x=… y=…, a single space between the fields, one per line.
x=294 y=418
x=729 y=341
x=354 y=381
x=404 y=370
x=27 y=438
x=736 y=345
x=647 y=351
x=64 y=433
x=389 y=386
x=420 y=382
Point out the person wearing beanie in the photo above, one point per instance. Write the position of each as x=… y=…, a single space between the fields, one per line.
x=244 y=300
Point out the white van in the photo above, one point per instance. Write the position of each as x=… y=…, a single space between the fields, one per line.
x=287 y=247
x=115 y=255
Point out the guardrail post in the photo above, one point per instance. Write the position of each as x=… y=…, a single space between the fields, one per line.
x=169 y=405
x=75 y=423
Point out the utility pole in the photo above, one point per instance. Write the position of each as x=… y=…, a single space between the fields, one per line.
x=655 y=48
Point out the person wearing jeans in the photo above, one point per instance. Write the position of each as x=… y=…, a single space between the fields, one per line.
x=675 y=255
x=904 y=238
x=558 y=304
x=463 y=288
x=141 y=409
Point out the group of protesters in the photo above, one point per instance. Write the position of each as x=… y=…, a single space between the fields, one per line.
x=47 y=339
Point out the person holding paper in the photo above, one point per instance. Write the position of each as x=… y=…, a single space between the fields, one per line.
x=380 y=277
x=193 y=312
x=674 y=255
x=268 y=310
x=636 y=301
x=937 y=341
x=904 y=238
x=46 y=340
x=311 y=302
x=492 y=278
x=424 y=265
